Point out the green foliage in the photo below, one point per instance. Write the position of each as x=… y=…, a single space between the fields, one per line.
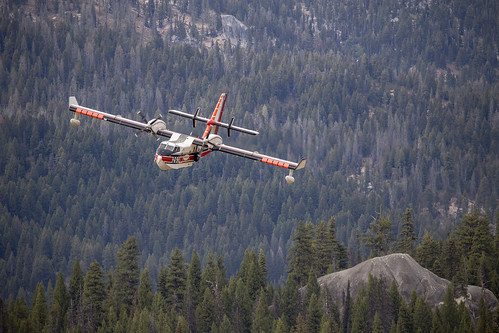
x=175 y=282
x=93 y=297
x=145 y=295
x=127 y=273
x=57 y=320
x=205 y=315
x=390 y=108
x=408 y=235
x=38 y=315
x=379 y=236
x=302 y=254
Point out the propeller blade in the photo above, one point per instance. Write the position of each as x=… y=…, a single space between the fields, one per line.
x=142 y=116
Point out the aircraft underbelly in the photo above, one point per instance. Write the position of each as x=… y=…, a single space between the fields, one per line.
x=174 y=162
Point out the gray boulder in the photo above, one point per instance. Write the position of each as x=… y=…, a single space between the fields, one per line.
x=408 y=275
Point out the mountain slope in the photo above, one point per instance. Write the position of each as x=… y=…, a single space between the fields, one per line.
x=395 y=106
x=408 y=275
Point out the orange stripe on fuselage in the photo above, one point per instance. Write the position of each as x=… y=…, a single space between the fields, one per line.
x=216 y=116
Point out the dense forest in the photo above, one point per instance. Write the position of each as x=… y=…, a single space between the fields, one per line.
x=394 y=104
x=189 y=298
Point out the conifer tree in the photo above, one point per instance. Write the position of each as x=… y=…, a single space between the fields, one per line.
x=314 y=313
x=449 y=314
x=312 y=288
x=242 y=308
x=176 y=281
x=289 y=302
x=58 y=311
x=225 y=326
x=262 y=264
x=145 y=292
x=325 y=251
x=280 y=326
x=422 y=313
x=377 y=326
x=75 y=295
x=484 y=324
x=262 y=321
x=193 y=290
x=347 y=309
x=427 y=252
x=450 y=257
x=127 y=273
x=93 y=297
x=205 y=315
x=404 y=322
x=302 y=254
x=407 y=235
x=38 y=316
x=301 y=325
x=379 y=236
x=465 y=322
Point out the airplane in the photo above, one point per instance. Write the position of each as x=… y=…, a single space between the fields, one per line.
x=181 y=150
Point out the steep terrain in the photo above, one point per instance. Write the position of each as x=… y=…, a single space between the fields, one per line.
x=394 y=104
x=408 y=275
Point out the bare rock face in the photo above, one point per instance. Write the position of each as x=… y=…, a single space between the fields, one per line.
x=407 y=274
x=235 y=30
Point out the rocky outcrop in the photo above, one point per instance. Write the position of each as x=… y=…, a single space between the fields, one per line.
x=234 y=30
x=407 y=274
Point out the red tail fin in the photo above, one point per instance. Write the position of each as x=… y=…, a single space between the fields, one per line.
x=211 y=128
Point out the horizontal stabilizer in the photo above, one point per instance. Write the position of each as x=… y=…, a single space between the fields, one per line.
x=230 y=127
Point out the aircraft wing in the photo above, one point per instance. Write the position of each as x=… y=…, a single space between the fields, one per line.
x=253 y=155
x=81 y=110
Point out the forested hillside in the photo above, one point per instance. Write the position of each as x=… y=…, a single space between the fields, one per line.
x=395 y=105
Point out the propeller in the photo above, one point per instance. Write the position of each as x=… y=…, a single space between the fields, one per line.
x=149 y=124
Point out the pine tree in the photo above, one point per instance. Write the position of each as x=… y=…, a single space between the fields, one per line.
x=312 y=288
x=422 y=313
x=302 y=254
x=314 y=313
x=280 y=326
x=225 y=326
x=262 y=264
x=449 y=314
x=289 y=302
x=262 y=321
x=93 y=297
x=484 y=324
x=379 y=236
x=38 y=316
x=205 y=315
x=407 y=235
x=176 y=281
x=427 y=252
x=404 y=322
x=450 y=257
x=242 y=308
x=377 y=326
x=465 y=323
x=145 y=292
x=75 y=295
x=347 y=309
x=127 y=273
x=193 y=290
x=301 y=325
x=58 y=311
x=324 y=246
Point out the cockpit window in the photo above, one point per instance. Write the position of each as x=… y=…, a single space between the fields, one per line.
x=166 y=149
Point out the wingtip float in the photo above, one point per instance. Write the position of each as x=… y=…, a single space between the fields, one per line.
x=181 y=150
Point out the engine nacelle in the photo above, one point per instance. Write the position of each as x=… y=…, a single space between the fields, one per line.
x=158 y=125
x=215 y=139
